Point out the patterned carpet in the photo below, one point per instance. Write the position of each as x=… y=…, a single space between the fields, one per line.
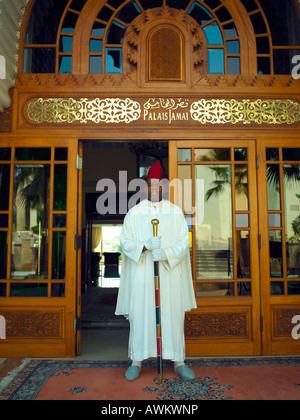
x=216 y=379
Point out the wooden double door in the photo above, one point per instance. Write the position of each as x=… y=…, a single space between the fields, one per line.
x=242 y=204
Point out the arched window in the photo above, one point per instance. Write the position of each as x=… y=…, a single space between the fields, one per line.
x=52 y=25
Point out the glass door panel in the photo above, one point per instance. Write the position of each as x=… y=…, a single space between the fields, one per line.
x=280 y=229
x=214 y=235
x=223 y=229
x=30 y=238
x=38 y=267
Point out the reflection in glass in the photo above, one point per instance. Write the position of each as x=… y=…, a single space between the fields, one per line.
x=292 y=218
x=2 y=289
x=185 y=189
x=29 y=290
x=58 y=290
x=3 y=255
x=243 y=254
x=272 y=154
x=3 y=220
x=277 y=288
x=275 y=246
x=214 y=289
x=274 y=220
x=241 y=154
x=273 y=179
x=291 y=154
x=59 y=255
x=241 y=187
x=294 y=287
x=61 y=153
x=242 y=220
x=30 y=222
x=244 y=289
x=214 y=234
x=59 y=220
x=207 y=155
x=184 y=155
x=4 y=186
x=33 y=153
x=5 y=153
x=60 y=188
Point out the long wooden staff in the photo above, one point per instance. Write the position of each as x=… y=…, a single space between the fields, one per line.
x=155 y=223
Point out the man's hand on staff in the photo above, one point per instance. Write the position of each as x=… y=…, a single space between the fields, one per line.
x=152 y=243
x=158 y=255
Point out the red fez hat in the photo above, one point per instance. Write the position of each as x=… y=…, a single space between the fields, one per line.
x=156 y=171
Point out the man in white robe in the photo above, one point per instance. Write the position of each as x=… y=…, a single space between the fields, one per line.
x=136 y=298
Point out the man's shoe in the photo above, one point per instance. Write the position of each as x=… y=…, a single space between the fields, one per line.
x=185 y=372
x=132 y=373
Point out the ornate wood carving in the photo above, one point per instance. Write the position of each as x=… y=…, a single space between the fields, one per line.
x=283 y=321
x=186 y=112
x=217 y=324
x=166 y=59
x=6 y=116
x=33 y=324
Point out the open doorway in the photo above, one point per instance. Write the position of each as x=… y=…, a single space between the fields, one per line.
x=103 y=334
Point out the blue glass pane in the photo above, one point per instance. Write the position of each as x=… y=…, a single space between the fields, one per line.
x=213 y=34
x=113 y=60
x=96 y=45
x=233 y=47
x=233 y=65
x=66 y=44
x=98 y=29
x=230 y=30
x=215 y=61
x=116 y=33
x=65 y=64
x=199 y=13
x=96 y=64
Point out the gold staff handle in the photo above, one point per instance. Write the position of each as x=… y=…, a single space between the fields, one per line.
x=155 y=223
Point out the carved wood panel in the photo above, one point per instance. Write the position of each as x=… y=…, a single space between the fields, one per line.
x=282 y=321
x=33 y=324
x=165 y=54
x=217 y=324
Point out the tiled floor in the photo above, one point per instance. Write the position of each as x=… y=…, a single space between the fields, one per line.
x=104 y=344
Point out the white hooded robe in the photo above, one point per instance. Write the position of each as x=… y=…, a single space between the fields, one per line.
x=136 y=298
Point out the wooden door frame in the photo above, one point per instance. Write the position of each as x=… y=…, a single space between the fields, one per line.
x=63 y=308
x=272 y=342
x=230 y=346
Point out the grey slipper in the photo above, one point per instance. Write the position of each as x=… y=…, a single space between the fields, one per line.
x=132 y=373
x=185 y=372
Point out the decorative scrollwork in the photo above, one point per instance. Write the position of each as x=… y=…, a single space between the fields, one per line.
x=69 y=110
x=219 y=111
